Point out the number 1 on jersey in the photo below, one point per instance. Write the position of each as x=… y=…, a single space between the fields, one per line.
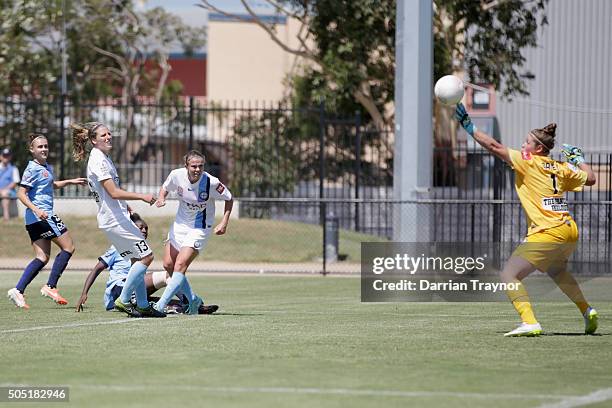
x=554 y=181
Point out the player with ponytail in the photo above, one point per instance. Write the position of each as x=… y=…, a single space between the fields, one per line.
x=113 y=215
x=540 y=183
x=43 y=225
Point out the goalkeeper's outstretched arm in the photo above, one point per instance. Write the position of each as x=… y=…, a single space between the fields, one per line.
x=482 y=138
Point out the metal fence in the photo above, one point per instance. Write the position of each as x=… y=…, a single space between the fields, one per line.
x=305 y=165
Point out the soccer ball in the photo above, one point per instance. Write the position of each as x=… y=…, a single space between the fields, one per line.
x=449 y=90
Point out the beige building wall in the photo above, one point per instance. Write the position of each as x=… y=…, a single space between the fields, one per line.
x=245 y=64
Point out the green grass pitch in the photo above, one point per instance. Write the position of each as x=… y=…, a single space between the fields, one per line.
x=301 y=341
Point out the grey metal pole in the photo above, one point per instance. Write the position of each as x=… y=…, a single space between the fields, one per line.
x=412 y=170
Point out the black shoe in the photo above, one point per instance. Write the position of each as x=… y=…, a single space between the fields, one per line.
x=150 y=311
x=130 y=309
x=208 y=309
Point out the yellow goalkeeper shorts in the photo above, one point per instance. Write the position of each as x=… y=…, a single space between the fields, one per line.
x=550 y=249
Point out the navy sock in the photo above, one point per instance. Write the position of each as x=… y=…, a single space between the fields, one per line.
x=29 y=274
x=59 y=265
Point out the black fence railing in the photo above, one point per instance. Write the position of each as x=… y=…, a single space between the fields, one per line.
x=275 y=152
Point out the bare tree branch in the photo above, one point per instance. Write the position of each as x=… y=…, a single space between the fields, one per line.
x=278 y=6
x=119 y=59
x=274 y=37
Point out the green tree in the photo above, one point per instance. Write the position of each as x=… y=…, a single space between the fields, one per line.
x=108 y=43
x=348 y=47
x=112 y=49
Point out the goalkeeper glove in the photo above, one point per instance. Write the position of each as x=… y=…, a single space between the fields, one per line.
x=464 y=119
x=573 y=154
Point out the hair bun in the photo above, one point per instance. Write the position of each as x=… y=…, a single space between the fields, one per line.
x=550 y=129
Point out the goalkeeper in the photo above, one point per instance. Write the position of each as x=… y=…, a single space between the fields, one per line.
x=552 y=236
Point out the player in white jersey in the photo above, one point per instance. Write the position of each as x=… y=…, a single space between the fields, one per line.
x=113 y=214
x=197 y=191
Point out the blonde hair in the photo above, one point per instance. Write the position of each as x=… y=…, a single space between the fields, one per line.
x=81 y=133
x=545 y=136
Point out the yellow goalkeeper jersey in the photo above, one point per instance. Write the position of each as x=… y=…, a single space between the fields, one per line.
x=540 y=184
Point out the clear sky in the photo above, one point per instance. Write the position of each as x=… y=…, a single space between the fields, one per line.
x=197 y=16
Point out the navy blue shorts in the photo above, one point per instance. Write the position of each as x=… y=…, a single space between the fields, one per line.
x=50 y=228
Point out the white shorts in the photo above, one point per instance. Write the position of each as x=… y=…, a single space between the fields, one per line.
x=128 y=241
x=181 y=236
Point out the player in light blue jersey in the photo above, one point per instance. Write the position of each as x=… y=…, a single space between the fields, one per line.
x=42 y=224
x=197 y=191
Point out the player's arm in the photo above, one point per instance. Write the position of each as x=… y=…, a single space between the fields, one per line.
x=161 y=197
x=22 y=195
x=91 y=278
x=221 y=228
x=483 y=139
x=117 y=193
x=591 y=179
x=63 y=183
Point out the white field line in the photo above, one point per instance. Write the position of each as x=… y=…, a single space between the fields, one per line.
x=604 y=394
x=69 y=325
x=329 y=391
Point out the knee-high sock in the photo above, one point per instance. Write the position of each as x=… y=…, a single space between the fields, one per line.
x=173 y=287
x=59 y=266
x=135 y=277
x=569 y=286
x=29 y=274
x=520 y=301
x=142 y=300
x=185 y=289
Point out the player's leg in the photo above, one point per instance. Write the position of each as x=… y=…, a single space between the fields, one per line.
x=66 y=245
x=183 y=259
x=515 y=270
x=155 y=281
x=42 y=248
x=170 y=254
x=568 y=285
x=568 y=233
x=130 y=244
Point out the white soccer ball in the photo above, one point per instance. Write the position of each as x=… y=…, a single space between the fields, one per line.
x=449 y=90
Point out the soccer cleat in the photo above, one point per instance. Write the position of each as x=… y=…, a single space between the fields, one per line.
x=128 y=308
x=173 y=310
x=208 y=309
x=150 y=311
x=17 y=298
x=590 y=320
x=194 y=306
x=525 y=330
x=46 y=291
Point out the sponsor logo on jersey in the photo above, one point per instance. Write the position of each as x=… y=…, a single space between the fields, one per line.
x=555 y=204
x=220 y=188
x=194 y=206
x=125 y=253
x=525 y=155
x=45 y=174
